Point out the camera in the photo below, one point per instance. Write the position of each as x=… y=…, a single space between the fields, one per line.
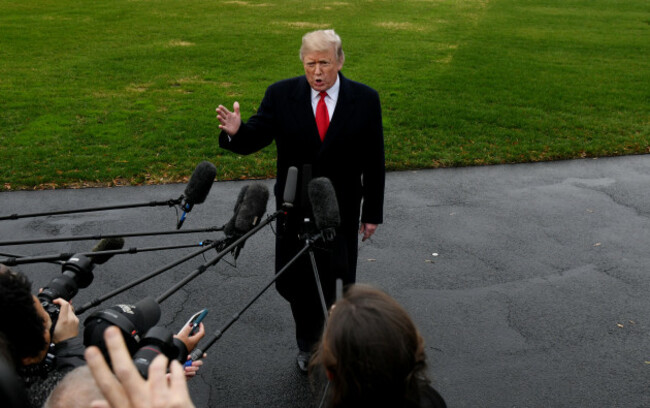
x=76 y=273
x=133 y=320
x=158 y=340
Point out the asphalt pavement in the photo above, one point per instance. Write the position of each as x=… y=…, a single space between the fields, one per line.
x=529 y=282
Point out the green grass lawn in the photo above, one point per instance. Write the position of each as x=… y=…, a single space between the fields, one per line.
x=124 y=91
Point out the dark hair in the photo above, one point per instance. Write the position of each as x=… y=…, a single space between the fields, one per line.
x=20 y=323
x=373 y=351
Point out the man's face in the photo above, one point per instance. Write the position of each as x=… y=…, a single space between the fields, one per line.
x=321 y=69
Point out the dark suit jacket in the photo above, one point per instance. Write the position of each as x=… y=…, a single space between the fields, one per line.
x=351 y=156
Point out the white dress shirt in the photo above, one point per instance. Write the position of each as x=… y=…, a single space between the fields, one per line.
x=330 y=99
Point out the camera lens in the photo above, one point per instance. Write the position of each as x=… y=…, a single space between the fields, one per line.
x=158 y=340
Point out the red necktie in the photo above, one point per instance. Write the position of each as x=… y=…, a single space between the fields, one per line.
x=322 y=116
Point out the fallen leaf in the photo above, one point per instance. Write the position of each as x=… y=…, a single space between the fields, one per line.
x=620 y=325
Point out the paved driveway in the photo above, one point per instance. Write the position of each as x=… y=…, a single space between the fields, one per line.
x=529 y=282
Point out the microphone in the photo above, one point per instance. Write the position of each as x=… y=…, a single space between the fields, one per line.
x=197 y=188
x=107 y=244
x=229 y=228
x=290 y=187
x=252 y=208
x=325 y=206
x=249 y=209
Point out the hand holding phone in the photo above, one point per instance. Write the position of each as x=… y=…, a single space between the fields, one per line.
x=195 y=320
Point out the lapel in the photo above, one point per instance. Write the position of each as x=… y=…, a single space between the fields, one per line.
x=303 y=113
x=342 y=114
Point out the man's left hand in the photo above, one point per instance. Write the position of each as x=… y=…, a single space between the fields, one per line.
x=367 y=230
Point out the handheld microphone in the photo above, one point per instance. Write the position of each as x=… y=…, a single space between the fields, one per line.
x=325 y=206
x=197 y=188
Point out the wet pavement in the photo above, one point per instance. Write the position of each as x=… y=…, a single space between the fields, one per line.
x=529 y=282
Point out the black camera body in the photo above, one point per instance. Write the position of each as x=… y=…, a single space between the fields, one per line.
x=76 y=273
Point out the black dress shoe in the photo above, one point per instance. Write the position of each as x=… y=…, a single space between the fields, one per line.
x=303 y=360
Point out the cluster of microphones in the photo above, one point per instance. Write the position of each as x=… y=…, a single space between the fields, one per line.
x=138 y=322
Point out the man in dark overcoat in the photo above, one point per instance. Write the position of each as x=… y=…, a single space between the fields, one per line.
x=328 y=125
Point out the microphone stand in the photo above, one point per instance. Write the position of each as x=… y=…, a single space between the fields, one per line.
x=169 y=203
x=19 y=260
x=100 y=236
x=23 y=256
x=232 y=246
x=98 y=301
x=309 y=243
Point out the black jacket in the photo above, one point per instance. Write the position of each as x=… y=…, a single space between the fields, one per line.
x=40 y=379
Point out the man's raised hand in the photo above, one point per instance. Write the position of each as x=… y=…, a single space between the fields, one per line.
x=229 y=121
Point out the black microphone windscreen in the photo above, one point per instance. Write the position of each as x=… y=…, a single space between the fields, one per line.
x=252 y=207
x=107 y=244
x=229 y=228
x=290 y=185
x=324 y=204
x=200 y=183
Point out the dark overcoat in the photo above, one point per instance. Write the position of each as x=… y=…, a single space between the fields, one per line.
x=351 y=156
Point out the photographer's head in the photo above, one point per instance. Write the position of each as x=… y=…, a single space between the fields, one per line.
x=23 y=321
x=372 y=352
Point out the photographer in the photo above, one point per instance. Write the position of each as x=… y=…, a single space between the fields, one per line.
x=42 y=354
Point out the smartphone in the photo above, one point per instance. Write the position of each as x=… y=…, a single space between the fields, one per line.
x=195 y=320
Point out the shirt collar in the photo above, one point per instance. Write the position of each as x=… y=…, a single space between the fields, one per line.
x=333 y=92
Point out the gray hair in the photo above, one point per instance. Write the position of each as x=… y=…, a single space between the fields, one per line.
x=322 y=40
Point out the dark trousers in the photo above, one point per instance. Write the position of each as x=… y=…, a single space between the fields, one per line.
x=336 y=259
